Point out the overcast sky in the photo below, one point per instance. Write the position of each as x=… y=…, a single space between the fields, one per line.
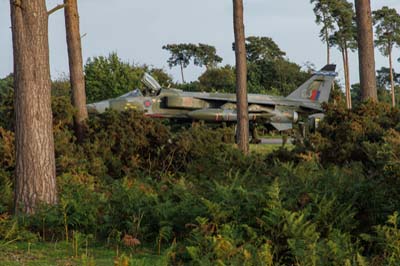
x=137 y=30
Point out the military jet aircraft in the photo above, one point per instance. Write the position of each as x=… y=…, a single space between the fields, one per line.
x=280 y=112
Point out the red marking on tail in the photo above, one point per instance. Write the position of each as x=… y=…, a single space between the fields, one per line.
x=315 y=95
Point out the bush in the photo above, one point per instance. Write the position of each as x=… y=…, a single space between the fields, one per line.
x=109 y=77
x=6 y=192
x=7 y=158
x=344 y=135
x=387 y=239
x=61 y=87
x=7 y=102
x=79 y=209
x=189 y=193
x=7 y=165
x=131 y=210
x=118 y=144
x=218 y=79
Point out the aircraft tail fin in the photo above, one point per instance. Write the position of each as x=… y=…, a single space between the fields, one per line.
x=318 y=87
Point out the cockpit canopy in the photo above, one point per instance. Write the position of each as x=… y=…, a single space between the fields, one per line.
x=134 y=93
x=150 y=82
x=152 y=87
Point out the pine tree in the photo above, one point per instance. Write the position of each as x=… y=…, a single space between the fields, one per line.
x=77 y=77
x=344 y=37
x=366 y=50
x=323 y=16
x=387 y=31
x=241 y=77
x=35 y=173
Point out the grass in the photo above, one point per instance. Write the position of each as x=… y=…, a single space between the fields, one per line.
x=62 y=254
x=270 y=136
x=264 y=149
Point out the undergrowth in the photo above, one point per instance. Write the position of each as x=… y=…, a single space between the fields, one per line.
x=136 y=186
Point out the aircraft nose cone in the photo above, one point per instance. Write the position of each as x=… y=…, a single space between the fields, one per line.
x=91 y=108
x=98 y=107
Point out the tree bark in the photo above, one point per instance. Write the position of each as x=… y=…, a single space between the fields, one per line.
x=328 y=53
x=366 y=50
x=77 y=77
x=345 y=79
x=348 y=77
x=328 y=50
x=391 y=78
x=35 y=175
x=183 y=78
x=241 y=77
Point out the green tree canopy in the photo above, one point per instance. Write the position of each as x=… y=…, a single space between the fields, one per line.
x=323 y=16
x=387 y=29
x=218 y=79
x=268 y=70
x=109 y=77
x=383 y=78
x=182 y=54
x=344 y=35
x=262 y=48
x=278 y=77
x=387 y=32
x=206 y=55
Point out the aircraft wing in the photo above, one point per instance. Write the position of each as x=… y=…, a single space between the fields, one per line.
x=307 y=97
x=264 y=101
x=260 y=99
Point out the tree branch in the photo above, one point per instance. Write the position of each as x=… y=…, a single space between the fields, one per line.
x=17 y=3
x=56 y=8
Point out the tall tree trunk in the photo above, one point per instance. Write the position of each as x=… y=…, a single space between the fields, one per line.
x=241 y=77
x=35 y=175
x=345 y=79
x=346 y=52
x=183 y=78
x=391 y=78
x=77 y=77
x=366 y=50
x=328 y=50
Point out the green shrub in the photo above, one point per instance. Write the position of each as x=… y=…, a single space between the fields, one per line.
x=131 y=210
x=199 y=201
x=7 y=102
x=12 y=229
x=61 y=87
x=218 y=79
x=7 y=158
x=121 y=143
x=80 y=201
x=110 y=77
x=6 y=192
x=79 y=209
x=7 y=164
x=388 y=240
x=343 y=133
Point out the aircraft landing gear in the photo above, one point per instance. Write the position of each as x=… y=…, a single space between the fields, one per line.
x=253 y=134
x=255 y=138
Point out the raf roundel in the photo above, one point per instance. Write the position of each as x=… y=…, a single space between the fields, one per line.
x=147 y=103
